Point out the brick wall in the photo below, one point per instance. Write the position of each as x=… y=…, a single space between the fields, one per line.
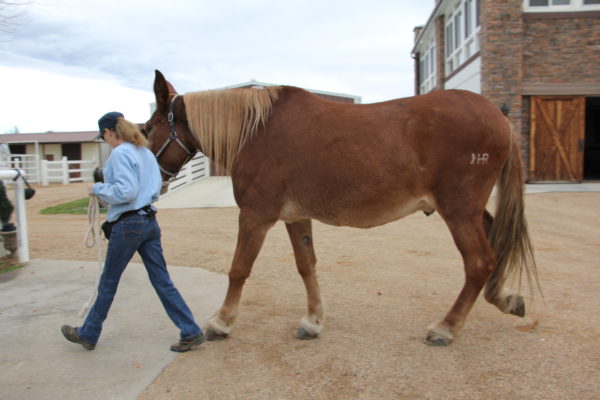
x=440 y=52
x=502 y=50
x=561 y=48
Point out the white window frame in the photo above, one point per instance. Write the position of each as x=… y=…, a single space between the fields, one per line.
x=459 y=46
x=427 y=70
x=574 y=6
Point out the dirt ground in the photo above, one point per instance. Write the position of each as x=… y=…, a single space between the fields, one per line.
x=382 y=288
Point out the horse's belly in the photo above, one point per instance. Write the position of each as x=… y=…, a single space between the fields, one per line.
x=362 y=216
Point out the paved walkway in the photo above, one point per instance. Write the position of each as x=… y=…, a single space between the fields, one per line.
x=563 y=187
x=214 y=191
x=217 y=192
x=36 y=362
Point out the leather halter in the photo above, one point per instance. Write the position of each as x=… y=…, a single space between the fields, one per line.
x=173 y=137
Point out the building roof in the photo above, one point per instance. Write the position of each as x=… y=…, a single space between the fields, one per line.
x=430 y=24
x=49 y=137
x=255 y=83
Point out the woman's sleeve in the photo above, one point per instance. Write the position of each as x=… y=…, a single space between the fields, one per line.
x=124 y=187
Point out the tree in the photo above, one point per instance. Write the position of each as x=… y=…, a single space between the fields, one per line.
x=14 y=129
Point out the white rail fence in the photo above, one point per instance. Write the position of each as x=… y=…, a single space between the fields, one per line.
x=28 y=163
x=66 y=171
x=197 y=168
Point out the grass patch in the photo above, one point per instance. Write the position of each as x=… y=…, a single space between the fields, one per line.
x=9 y=264
x=72 y=207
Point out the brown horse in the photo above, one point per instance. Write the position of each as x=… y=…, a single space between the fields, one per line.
x=294 y=156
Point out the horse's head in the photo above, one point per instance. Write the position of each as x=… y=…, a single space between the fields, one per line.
x=167 y=130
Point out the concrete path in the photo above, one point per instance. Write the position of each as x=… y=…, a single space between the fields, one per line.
x=218 y=192
x=214 y=191
x=36 y=362
x=562 y=187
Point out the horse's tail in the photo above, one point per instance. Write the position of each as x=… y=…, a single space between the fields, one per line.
x=508 y=235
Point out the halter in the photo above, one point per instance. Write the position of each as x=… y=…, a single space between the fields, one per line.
x=173 y=137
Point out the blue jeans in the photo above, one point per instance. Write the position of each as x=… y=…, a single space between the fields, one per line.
x=142 y=234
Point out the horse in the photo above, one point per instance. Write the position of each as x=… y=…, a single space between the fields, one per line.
x=295 y=156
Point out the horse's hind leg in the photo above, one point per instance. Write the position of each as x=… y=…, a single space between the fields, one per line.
x=302 y=242
x=471 y=240
x=251 y=235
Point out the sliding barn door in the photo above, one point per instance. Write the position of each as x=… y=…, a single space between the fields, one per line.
x=557 y=138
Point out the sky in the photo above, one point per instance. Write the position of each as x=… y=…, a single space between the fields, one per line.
x=64 y=63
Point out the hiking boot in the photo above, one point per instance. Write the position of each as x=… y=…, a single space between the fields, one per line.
x=72 y=336
x=185 y=345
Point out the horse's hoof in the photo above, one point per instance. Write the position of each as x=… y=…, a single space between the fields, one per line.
x=304 y=334
x=434 y=339
x=439 y=335
x=212 y=335
x=517 y=305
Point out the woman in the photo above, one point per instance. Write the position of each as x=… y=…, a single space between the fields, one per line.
x=132 y=182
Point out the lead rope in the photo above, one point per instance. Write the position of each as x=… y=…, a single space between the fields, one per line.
x=91 y=238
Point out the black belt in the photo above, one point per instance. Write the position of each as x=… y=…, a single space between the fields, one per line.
x=150 y=212
x=107 y=226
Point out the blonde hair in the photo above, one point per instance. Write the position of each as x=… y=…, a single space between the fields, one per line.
x=130 y=132
x=224 y=120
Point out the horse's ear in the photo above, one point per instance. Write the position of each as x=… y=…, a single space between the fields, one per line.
x=163 y=90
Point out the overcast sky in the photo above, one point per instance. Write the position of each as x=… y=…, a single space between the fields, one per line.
x=66 y=62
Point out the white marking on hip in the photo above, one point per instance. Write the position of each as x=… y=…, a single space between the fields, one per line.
x=479 y=158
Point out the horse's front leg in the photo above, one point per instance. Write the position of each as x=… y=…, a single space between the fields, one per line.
x=251 y=235
x=302 y=242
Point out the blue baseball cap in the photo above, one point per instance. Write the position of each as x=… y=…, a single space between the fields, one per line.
x=108 y=121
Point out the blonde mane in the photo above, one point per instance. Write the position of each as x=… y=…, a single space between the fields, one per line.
x=224 y=120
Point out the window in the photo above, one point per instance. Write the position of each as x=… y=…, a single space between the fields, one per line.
x=462 y=34
x=457 y=36
x=449 y=40
x=542 y=3
x=427 y=70
x=561 y=5
x=468 y=17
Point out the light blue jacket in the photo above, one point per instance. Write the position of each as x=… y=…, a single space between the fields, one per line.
x=131 y=180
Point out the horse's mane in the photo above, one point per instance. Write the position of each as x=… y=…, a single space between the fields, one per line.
x=224 y=120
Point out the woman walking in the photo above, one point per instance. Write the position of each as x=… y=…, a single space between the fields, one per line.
x=132 y=182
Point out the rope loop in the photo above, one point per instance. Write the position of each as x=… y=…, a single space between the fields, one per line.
x=92 y=237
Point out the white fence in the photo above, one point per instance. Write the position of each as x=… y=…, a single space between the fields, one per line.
x=66 y=171
x=197 y=168
x=28 y=163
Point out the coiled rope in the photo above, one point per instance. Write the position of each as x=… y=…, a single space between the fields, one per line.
x=92 y=237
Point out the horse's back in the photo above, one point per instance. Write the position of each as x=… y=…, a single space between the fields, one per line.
x=367 y=164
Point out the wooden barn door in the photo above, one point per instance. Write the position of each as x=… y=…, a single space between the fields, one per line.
x=557 y=138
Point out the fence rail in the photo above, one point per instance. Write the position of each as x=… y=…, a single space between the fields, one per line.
x=66 y=171
x=28 y=163
x=197 y=168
